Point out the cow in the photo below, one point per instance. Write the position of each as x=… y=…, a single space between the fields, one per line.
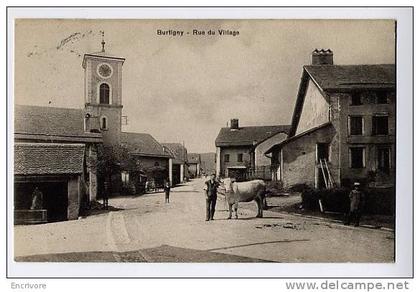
x=236 y=192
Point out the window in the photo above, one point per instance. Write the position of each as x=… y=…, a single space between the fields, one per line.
x=384 y=159
x=240 y=157
x=227 y=157
x=380 y=125
x=357 y=157
x=104 y=123
x=381 y=97
x=356 y=125
x=322 y=151
x=104 y=93
x=356 y=98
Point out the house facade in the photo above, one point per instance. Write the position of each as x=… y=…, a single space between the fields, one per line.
x=343 y=126
x=240 y=151
x=194 y=165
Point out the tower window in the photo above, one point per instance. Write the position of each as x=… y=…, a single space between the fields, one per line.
x=104 y=123
x=104 y=93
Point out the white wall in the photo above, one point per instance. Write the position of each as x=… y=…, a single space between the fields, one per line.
x=260 y=158
x=315 y=109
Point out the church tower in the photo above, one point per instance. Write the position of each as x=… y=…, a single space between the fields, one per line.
x=103 y=94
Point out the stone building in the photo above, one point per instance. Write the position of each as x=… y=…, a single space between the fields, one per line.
x=240 y=151
x=104 y=104
x=154 y=161
x=54 y=153
x=343 y=126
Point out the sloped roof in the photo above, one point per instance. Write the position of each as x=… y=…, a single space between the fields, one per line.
x=143 y=144
x=178 y=151
x=193 y=158
x=342 y=78
x=48 y=158
x=277 y=146
x=350 y=77
x=247 y=136
x=49 y=123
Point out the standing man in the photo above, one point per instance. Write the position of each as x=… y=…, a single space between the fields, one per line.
x=210 y=190
x=105 y=194
x=167 y=188
x=356 y=204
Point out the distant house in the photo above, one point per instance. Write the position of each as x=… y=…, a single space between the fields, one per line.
x=179 y=161
x=208 y=163
x=240 y=151
x=343 y=126
x=194 y=164
x=152 y=161
x=54 y=153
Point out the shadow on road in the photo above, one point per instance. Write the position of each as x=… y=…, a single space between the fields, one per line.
x=159 y=254
x=257 y=243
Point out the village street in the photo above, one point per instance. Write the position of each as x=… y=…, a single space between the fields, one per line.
x=146 y=229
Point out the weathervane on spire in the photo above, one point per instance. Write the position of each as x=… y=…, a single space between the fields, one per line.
x=103 y=41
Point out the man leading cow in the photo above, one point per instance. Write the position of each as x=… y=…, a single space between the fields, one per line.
x=210 y=190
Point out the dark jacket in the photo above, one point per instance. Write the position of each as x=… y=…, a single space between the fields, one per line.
x=212 y=188
x=167 y=187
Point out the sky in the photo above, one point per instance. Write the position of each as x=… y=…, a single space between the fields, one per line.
x=185 y=88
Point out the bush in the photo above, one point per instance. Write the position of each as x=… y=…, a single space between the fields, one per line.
x=299 y=188
x=380 y=201
x=275 y=186
x=377 y=201
x=310 y=199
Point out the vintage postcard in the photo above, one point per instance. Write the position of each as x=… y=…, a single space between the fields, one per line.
x=204 y=140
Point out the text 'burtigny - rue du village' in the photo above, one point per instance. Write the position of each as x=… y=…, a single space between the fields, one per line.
x=197 y=32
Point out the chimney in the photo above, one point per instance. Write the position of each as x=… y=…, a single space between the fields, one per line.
x=234 y=124
x=322 y=57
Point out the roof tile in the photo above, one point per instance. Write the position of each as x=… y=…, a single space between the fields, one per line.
x=348 y=77
x=48 y=158
x=51 y=121
x=247 y=136
x=142 y=143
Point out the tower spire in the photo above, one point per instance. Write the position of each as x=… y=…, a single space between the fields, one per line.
x=103 y=41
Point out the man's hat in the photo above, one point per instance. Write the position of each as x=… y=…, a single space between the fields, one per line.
x=357 y=184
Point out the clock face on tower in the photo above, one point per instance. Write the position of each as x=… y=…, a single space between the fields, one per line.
x=104 y=70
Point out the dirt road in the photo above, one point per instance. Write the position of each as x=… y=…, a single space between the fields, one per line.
x=147 y=229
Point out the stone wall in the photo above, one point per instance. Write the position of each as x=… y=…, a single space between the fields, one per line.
x=299 y=158
x=370 y=142
x=260 y=158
